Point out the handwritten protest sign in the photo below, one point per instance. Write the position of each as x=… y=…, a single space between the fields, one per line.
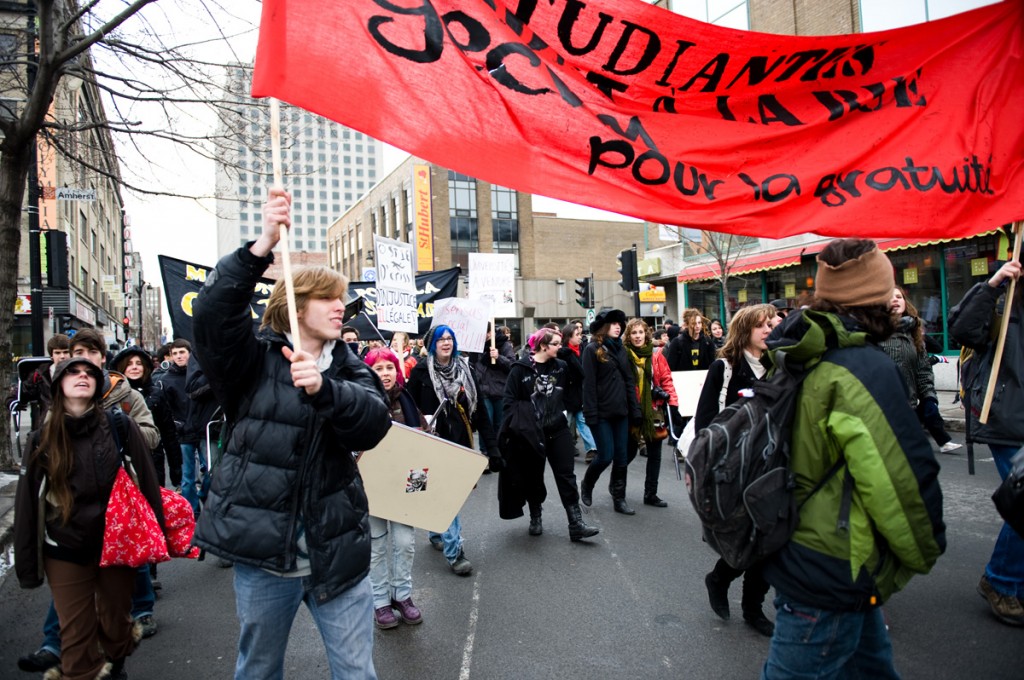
x=396 y=286
x=468 y=318
x=492 y=277
x=626 y=106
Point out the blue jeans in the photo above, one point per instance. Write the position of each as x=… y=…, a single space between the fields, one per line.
x=1005 y=569
x=611 y=435
x=450 y=539
x=143 y=599
x=391 y=561
x=583 y=429
x=189 y=453
x=266 y=607
x=816 y=644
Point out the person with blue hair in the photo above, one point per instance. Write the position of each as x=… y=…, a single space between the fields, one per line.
x=444 y=385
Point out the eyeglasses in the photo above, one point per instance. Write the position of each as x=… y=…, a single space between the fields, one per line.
x=555 y=344
x=74 y=370
x=445 y=339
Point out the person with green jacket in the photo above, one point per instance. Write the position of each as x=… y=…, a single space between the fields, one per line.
x=877 y=519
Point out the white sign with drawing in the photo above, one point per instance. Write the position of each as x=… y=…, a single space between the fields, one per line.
x=468 y=318
x=493 y=277
x=396 y=286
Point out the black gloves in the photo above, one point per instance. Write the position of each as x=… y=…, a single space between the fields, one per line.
x=495 y=463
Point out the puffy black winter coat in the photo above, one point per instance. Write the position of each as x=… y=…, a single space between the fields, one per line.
x=289 y=456
x=573 y=395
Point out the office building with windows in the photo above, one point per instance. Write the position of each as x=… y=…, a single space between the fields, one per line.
x=325 y=165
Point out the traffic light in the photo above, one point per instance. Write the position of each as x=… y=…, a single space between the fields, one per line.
x=585 y=292
x=630 y=280
x=126 y=321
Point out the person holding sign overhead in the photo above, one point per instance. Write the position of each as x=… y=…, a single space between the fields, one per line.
x=287 y=504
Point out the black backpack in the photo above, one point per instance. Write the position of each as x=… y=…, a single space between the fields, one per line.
x=737 y=471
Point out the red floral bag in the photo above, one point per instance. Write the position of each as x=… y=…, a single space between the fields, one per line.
x=132 y=536
x=180 y=523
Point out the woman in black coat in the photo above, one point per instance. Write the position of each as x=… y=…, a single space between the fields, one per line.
x=137 y=365
x=737 y=369
x=444 y=389
x=571 y=353
x=609 y=406
x=536 y=430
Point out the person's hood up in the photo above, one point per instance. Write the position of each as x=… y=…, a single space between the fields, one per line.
x=63 y=367
x=806 y=335
x=146 y=357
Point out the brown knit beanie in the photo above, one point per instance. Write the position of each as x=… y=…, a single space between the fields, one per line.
x=866 y=280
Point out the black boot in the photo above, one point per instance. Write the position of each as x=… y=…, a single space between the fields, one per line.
x=617 y=487
x=587 y=485
x=578 y=529
x=754 y=590
x=536 y=527
x=718 y=595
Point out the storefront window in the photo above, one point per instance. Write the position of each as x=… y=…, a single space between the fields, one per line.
x=967 y=263
x=794 y=284
x=744 y=291
x=917 y=272
x=705 y=296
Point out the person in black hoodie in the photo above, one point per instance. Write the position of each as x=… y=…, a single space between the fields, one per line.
x=569 y=352
x=492 y=367
x=535 y=429
x=610 y=405
x=692 y=349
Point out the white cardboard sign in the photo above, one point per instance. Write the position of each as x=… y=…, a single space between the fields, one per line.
x=468 y=318
x=493 y=277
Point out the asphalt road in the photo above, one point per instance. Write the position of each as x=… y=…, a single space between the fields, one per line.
x=628 y=604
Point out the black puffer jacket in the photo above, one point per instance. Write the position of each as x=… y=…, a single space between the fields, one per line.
x=974 y=323
x=288 y=464
x=609 y=387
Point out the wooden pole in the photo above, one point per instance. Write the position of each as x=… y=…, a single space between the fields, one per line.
x=286 y=260
x=494 y=340
x=997 y=360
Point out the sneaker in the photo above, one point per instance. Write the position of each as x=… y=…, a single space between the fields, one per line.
x=39 y=661
x=436 y=543
x=407 y=611
x=949 y=447
x=148 y=625
x=385 y=617
x=461 y=565
x=1006 y=608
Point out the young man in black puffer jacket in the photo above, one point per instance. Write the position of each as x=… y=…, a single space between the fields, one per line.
x=287 y=504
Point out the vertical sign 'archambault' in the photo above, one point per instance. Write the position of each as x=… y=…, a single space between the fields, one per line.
x=622 y=105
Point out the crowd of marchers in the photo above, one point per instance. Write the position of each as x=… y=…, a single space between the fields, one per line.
x=278 y=496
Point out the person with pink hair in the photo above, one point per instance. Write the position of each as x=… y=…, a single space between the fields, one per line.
x=391 y=569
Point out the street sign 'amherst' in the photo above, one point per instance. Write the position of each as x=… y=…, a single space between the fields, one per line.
x=625 y=106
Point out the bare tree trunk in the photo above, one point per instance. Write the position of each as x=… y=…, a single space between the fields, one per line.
x=13 y=174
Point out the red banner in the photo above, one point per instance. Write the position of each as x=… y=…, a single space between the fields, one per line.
x=624 y=106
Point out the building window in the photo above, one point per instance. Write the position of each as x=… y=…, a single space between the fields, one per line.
x=505 y=219
x=464 y=224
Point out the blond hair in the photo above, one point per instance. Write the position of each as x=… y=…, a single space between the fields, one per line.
x=311 y=283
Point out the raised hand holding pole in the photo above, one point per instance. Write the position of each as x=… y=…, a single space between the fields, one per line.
x=289 y=285
x=997 y=360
